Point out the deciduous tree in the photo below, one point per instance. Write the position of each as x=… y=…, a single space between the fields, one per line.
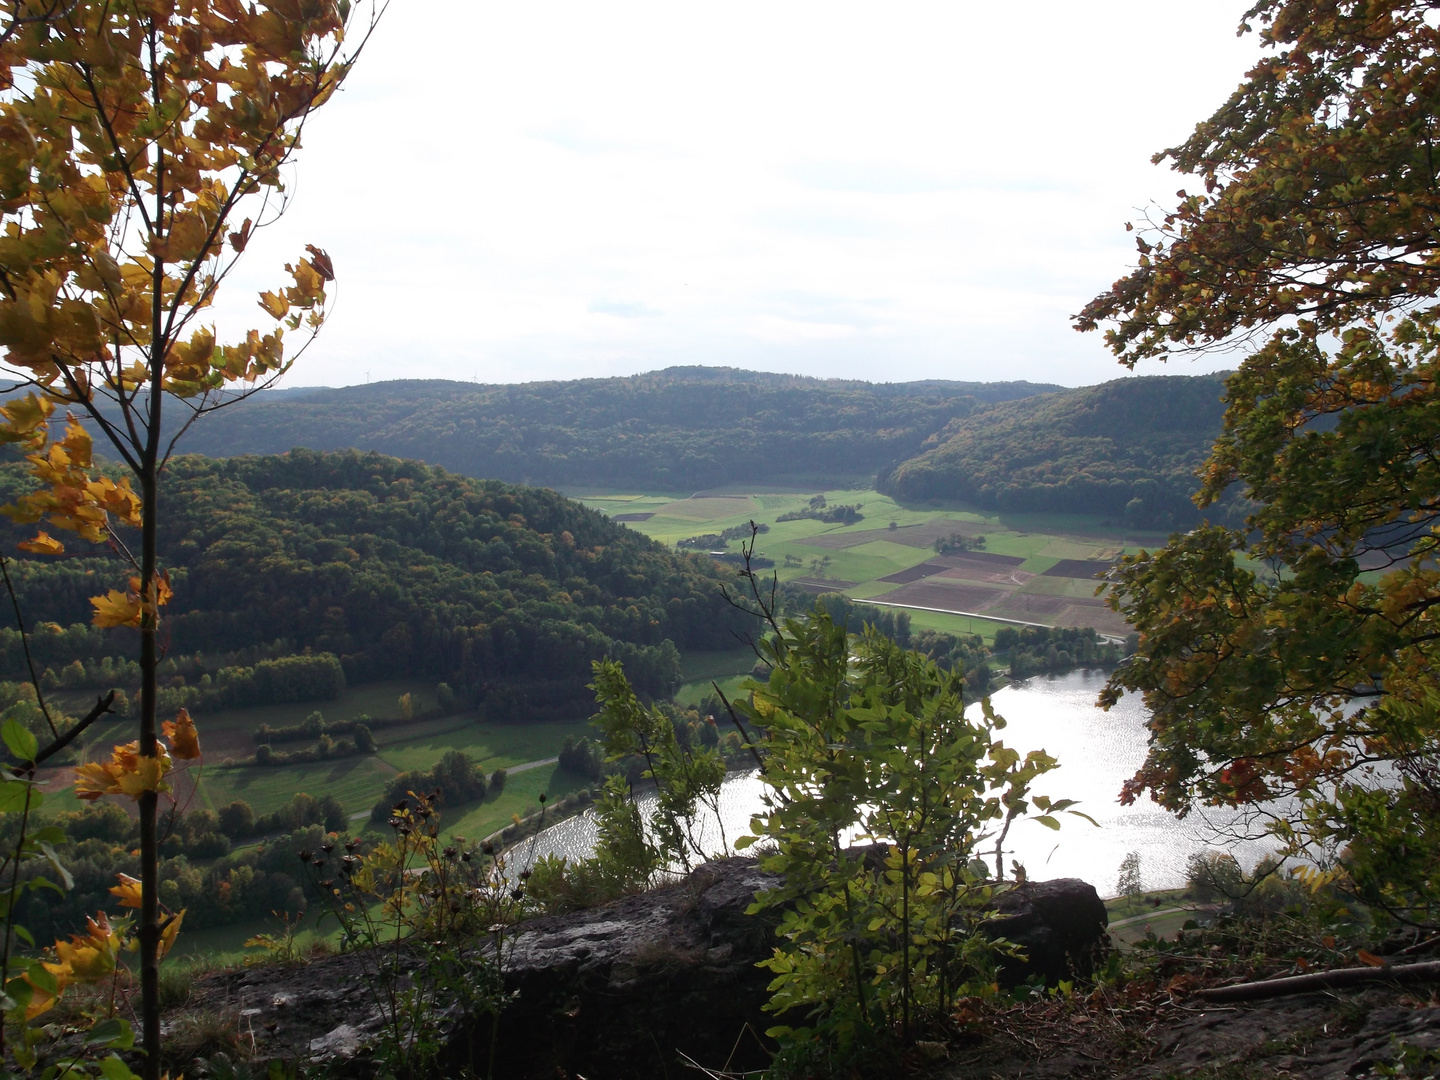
x=142 y=142
x=1298 y=656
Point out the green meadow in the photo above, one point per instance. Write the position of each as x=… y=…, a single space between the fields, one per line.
x=892 y=538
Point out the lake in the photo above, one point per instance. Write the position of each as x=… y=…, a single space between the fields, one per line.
x=1097 y=751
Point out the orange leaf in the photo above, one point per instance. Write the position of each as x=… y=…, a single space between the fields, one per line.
x=1370 y=959
x=43 y=544
x=184 y=739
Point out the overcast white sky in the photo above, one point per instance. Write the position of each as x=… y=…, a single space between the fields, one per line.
x=886 y=191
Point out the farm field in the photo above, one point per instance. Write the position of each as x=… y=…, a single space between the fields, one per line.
x=356 y=780
x=1033 y=569
x=225 y=944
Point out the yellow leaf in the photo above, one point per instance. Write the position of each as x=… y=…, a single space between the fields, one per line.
x=275 y=305
x=128 y=772
x=184 y=739
x=43 y=544
x=128 y=891
x=148 y=775
x=168 y=935
x=88 y=957
x=25 y=418
x=116 y=609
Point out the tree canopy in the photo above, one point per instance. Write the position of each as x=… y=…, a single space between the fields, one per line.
x=1297 y=656
x=1129 y=448
x=680 y=429
x=402 y=569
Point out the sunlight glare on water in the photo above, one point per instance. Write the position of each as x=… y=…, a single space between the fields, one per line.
x=1097 y=751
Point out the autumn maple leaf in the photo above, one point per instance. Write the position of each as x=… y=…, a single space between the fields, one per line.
x=184 y=739
x=128 y=772
x=128 y=891
x=116 y=608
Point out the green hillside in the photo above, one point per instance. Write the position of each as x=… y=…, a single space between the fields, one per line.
x=399 y=569
x=679 y=430
x=1128 y=449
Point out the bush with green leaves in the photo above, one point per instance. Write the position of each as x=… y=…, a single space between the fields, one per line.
x=625 y=859
x=686 y=776
x=883 y=797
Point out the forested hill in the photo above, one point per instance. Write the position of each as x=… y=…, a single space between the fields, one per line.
x=681 y=429
x=398 y=568
x=1127 y=448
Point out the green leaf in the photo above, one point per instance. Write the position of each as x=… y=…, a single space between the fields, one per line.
x=49 y=834
x=113 y=1032
x=21 y=742
x=13 y=794
x=40 y=881
x=18 y=993
x=39 y=976
x=112 y=1068
x=1048 y=821
x=54 y=860
x=1082 y=814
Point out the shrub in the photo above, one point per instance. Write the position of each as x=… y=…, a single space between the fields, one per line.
x=303 y=811
x=237 y=820
x=455 y=777
x=865 y=737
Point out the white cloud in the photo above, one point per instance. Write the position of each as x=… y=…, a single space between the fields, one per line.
x=914 y=190
x=623 y=309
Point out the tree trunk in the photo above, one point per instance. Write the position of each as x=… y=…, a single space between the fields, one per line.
x=149 y=746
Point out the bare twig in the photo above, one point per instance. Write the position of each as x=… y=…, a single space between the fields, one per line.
x=734 y=719
x=25 y=644
x=102 y=706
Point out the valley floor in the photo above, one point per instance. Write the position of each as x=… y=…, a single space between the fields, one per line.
x=1030 y=570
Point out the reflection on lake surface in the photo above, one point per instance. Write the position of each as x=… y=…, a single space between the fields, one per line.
x=1097 y=751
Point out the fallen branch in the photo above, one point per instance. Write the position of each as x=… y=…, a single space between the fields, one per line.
x=1324 y=980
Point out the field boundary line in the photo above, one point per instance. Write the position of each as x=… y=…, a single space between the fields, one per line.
x=977 y=615
x=948 y=611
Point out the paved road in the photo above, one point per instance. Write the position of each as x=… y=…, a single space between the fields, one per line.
x=1148 y=916
x=531 y=765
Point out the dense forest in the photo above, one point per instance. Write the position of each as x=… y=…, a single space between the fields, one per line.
x=680 y=429
x=1127 y=448
x=398 y=569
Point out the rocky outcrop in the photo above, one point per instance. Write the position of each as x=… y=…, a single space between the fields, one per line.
x=622 y=991
x=1061 y=926
x=633 y=989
